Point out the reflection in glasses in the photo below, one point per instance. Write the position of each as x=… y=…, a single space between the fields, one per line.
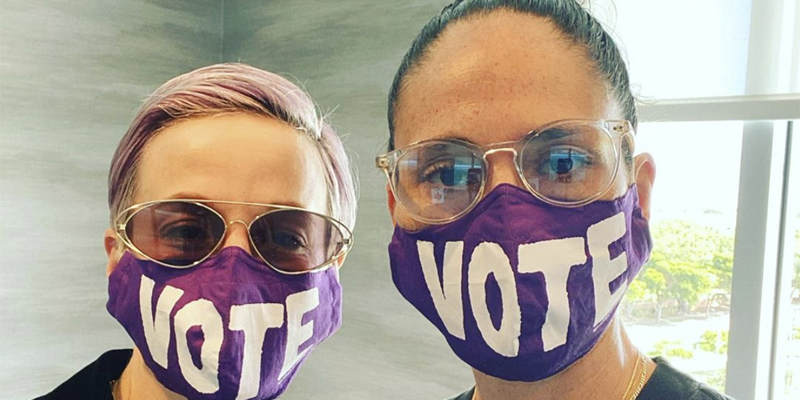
x=566 y=163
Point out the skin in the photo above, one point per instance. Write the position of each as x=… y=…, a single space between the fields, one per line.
x=235 y=157
x=492 y=79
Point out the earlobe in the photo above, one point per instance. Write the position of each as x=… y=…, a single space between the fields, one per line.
x=112 y=250
x=391 y=202
x=340 y=261
x=645 y=177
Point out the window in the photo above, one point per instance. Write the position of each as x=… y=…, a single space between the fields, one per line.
x=706 y=56
x=787 y=346
x=679 y=305
x=719 y=82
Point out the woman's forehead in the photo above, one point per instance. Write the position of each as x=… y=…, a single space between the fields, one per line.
x=239 y=158
x=505 y=73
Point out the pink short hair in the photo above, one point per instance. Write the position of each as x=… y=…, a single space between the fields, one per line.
x=228 y=89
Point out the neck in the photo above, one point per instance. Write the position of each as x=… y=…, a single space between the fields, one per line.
x=603 y=373
x=138 y=382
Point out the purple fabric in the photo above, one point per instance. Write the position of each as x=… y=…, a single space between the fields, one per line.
x=230 y=278
x=510 y=217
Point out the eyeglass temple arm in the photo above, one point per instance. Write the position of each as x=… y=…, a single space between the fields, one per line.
x=382 y=161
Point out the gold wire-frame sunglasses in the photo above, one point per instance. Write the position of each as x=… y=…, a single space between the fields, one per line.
x=123 y=219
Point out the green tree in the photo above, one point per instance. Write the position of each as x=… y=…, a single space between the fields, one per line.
x=687 y=262
x=671 y=349
x=714 y=342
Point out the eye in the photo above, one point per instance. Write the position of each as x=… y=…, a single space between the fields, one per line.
x=453 y=172
x=185 y=233
x=564 y=164
x=288 y=240
x=440 y=172
x=563 y=161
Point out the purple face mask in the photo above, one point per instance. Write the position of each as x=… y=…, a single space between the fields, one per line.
x=229 y=328
x=519 y=288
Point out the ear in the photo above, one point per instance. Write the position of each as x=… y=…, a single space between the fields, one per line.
x=391 y=202
x=645 y=171
x=113 y=250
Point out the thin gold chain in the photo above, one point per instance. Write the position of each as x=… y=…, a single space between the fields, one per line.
x=630 y=381
x=636 y=392
x=641 y=379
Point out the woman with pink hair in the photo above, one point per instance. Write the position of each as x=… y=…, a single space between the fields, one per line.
x=232 y=205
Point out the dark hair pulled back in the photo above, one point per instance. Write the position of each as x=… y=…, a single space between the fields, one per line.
x=575 y=22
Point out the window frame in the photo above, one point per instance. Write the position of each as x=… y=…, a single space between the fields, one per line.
x=759 y=279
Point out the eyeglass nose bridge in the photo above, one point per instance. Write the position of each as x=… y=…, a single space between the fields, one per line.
x=507 y=147
x=510 y=146
x=504 y=148
x=228 y=225
x=236 y=221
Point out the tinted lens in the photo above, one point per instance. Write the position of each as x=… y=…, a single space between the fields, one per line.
x=570 y=163
x=295 y=240
x=438 y=180
x=175 y=233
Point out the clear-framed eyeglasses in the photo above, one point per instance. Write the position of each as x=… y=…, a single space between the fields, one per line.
x=182 y=233
x=567 y=163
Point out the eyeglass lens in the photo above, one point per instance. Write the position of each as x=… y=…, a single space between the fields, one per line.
x=568 y=163
x=182 y=233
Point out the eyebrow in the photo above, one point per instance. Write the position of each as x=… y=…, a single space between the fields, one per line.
x=196 y=196
x=459 y=136
x=186 y=195
x=454 y=135
x=554 y=133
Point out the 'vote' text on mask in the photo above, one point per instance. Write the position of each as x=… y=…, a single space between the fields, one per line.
x=553 y=259
x=229 y=328
x=522 y=289
x=253 y=320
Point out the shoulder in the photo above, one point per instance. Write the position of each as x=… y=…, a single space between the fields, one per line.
x=94 y=380
x=669 y=383
x=464 y=396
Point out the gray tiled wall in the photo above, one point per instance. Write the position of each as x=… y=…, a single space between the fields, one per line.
x=72 y=74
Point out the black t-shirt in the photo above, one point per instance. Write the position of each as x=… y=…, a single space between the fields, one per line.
x=666 y=383
x=93 y=382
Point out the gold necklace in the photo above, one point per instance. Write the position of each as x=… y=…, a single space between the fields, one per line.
x=636 y=392
x=115 y=389
x=643 y=375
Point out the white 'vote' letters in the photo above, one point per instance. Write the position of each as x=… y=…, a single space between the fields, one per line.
x=447 y=297
x=553 y=258
x=298 y=305
x=156 y=329
x=252 y=319
x=606 y=270
x=200 y=313
x=489 y=258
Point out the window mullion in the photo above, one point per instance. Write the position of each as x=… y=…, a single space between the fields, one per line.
x=782 y=326
x=758 y=218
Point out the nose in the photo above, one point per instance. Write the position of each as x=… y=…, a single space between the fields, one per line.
x=501 y=169
x=238 y=236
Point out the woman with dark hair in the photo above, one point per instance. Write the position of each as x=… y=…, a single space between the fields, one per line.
x=521 y=211
x=232 y=204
